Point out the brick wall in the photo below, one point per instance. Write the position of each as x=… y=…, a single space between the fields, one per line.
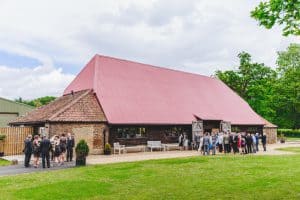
x=92 y=133
x=271 y=134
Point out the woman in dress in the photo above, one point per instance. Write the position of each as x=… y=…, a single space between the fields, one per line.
x=57 y=150
x=243 y=144
x=36 y=150
x=63 y=147
x=239 y=141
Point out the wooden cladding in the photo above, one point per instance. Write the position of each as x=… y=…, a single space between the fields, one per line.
x=14 y=140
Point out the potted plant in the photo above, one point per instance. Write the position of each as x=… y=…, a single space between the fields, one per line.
x=282 y=138
x=107 y=149
x=2 y=138
x=82 y=151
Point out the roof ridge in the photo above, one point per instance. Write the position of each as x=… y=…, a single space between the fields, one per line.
x=154 y=66
x=68 y=106
x=94 y=58
x=95 y=73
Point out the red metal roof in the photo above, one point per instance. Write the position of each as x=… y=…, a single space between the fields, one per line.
x=135 y=93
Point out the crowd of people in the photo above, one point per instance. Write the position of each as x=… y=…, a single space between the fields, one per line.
x=57 y=149
x=243 y=143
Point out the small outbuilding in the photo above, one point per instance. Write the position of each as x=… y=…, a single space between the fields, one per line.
x=271 y=131
x=10 y=110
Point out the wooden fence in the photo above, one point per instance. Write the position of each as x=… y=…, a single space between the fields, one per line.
x=14 y=141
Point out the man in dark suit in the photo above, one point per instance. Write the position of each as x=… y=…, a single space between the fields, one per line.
x=249 y=142
x=264 y=141
x=45 y=150
x=27 y=150
x=70 y=146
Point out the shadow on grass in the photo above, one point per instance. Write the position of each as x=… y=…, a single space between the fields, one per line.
x=80 y=189
x=290 y=149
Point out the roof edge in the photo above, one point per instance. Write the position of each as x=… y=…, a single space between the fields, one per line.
x=71 y=104
x=93 y=59
x=155 y=66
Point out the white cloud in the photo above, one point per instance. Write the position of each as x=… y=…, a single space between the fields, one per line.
x=32 y=83
x=194 y=35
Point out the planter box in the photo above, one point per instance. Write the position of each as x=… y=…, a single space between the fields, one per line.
x=107 y=152
x=80 y=161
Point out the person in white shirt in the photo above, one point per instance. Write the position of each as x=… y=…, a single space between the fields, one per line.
x=220 y=142
x=185 y=142
x=253 y=143
x=201 y=144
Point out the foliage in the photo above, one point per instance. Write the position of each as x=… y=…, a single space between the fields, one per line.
x=253 y=82
x=282 y=138
x=107 y=149
x=247 y=177
x=4 y=162
x=2 y=137
x=287 y=100
x=274 y=94
x=37 y=102
x=281 y=12
x=82 y=149
x=289 y=132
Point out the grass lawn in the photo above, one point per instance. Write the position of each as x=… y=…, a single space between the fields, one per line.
x=4 y=162
x=227 y=177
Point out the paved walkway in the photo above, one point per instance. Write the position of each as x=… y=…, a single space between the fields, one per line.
x=20 y=169
x=131 y=157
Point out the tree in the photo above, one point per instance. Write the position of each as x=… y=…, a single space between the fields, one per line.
x=288 y=87
x=37 y=102
x=281 y=12
x=253 y=82
x=275 y=95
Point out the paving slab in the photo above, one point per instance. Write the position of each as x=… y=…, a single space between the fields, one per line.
x=20 y=169
x=131 y=157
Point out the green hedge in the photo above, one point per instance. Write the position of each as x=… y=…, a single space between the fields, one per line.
x=289 y=132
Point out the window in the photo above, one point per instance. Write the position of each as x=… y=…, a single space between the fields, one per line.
x=132 y=132
x=174 y=131
x=235 y=129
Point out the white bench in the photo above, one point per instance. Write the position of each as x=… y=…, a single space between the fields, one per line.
x=119 y=147
x=135 y=148
x=154 y=145
x=171 y=146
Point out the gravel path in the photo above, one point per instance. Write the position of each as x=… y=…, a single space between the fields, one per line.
x=131 y=157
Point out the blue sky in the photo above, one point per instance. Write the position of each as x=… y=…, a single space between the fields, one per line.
x=44 y=44
x=10 y=59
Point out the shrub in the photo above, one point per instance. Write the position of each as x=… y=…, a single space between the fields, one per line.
x=82 y=149
x=289 y=132
x=282 y=138
x=2 y=137
x=107 y=149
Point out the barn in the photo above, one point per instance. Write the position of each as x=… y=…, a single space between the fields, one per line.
x=115 y=100
x=10 y=110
